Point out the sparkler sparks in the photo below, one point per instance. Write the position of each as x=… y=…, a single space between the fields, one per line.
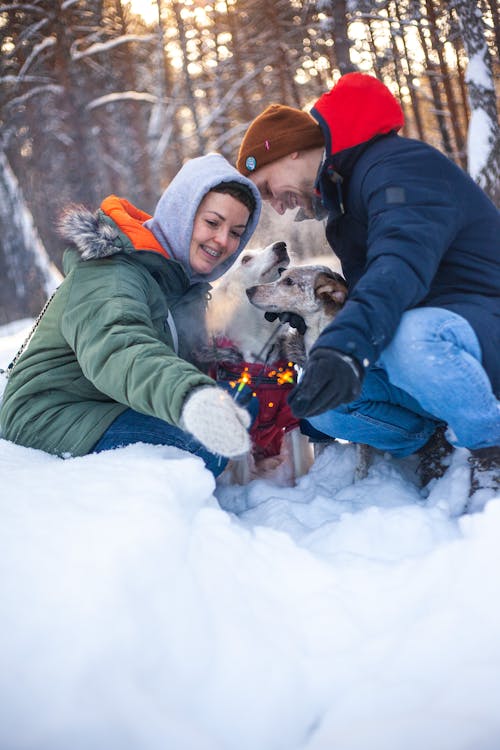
x=282 y=376
x=286 y=376
x=245 y=379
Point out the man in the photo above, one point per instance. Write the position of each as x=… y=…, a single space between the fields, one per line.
x=415 y=350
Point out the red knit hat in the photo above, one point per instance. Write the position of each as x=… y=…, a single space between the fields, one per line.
x=275 y=133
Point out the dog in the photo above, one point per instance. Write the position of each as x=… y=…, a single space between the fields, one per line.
x=316 y=294
x=232 y=318
x=240 y=335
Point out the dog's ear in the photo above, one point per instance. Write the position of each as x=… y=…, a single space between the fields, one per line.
x=331 y=289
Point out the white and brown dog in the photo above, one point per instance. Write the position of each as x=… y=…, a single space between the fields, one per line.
x=314 y=293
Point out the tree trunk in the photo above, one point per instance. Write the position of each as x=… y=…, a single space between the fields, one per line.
x=189 y=93
x=436 y=94
x=27 y=277
x=409 y=77
x=445 y=74
x=165 y=147
x=341 y=37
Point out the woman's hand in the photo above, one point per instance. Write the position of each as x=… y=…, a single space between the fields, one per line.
x=213 y=418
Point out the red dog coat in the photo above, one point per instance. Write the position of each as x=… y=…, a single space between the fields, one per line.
x=270 y=384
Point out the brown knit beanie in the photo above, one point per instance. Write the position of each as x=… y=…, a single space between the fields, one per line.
x=277 y=132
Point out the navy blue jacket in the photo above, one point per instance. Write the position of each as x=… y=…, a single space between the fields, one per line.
x=417 y=231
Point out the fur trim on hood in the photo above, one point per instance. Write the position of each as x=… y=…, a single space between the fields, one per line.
x=91 y=234
x=101 y=234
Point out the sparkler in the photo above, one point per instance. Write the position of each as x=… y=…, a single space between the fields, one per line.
x=244 y=379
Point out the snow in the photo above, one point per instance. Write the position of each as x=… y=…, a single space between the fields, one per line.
x=477 y=70
x=142 y=607
x=479 y=138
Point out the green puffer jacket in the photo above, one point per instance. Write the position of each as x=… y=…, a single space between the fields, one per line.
x=104 y=343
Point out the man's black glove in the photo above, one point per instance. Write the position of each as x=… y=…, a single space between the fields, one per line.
x=294 y=320
x=330 y=378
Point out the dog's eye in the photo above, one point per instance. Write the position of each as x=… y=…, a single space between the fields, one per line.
x=289 y=281
x=246 y=259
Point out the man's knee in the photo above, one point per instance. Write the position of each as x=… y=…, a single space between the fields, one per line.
x=423 y=333
x=416 y=330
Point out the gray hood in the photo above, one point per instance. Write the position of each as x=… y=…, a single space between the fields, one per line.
x=173 y=219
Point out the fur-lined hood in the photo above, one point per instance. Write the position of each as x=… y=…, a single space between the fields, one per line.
x=121 y=227
x=116 y=227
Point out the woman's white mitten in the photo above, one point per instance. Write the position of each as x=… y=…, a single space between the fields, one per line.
x=213 y=418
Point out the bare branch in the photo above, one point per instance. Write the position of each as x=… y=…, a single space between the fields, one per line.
x=228 y=97
x=227 y=135
x=37 y=49
x=136 y=96
x=49 y=88
x=98 y=47
x=14 y=79
x=20 y=6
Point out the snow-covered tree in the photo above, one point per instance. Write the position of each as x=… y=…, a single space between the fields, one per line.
x=27 y=276
x=484 y=131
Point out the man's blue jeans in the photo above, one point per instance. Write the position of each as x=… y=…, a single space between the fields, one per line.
x=134 y=427
x=430 y=374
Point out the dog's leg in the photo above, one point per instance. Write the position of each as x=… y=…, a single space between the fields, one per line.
x=293 y=461
x=320 y=446
x=301 y=452
x=363 y=461
x=238 y=471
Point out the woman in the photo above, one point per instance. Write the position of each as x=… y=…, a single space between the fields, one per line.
x=111 y=360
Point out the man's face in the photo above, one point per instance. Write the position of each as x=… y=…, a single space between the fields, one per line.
x=288 y=183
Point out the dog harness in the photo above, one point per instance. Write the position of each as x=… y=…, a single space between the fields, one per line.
x=270 y=384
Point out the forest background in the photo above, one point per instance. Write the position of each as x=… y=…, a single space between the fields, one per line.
x=96 y=99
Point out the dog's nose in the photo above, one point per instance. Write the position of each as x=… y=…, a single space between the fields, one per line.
x=279 y=248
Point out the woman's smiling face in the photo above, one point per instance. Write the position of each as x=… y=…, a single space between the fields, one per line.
x=218 y=225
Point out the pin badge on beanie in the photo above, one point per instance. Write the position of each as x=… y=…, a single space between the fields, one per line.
x=251 y=163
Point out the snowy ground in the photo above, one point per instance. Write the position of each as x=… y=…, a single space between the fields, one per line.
x=137 y=614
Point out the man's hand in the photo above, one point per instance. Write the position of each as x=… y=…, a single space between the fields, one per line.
x=293 y=320
x=330 y=378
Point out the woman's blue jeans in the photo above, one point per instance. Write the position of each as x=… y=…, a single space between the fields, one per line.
x=133 y=427
x=430 y=374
